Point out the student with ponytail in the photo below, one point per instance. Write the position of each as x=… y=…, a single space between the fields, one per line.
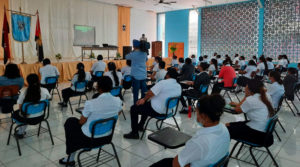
x=276 y=89
x=262 y=68
x=80 y=76
x=33 y=93
x=258 y=108
x=114 y=75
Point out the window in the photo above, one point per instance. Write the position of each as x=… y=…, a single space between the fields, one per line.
x=193 y=32
x=161 y=31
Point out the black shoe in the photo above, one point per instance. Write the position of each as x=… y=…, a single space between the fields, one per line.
x=19 y=136
x=63 y=104
x=131 y=135
x=62 y=162
x=184 y=111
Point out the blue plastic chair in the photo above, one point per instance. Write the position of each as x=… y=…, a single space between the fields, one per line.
x=269 y=131
x=127 y=83
x=80 y=90
x=203 y=89
x=229 y=89
x=117 y=92
x=243 y=67
x=52 y=83
x=99 y=74
x=28 y=109
x=176 y=65
x=99 y=129
x=194 y=64
x=171 y=110
x=222 y=162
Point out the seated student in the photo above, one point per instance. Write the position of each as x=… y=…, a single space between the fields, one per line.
x=174 y=61
x=282 y=63
x=242 y=62
x=201 y=59
x=154 y=103
x=258 y=108
x=78 y=131
x=254 y=59
x=161 y=73
x=262 y=68
x=33 y=93
x=194 y=60
x=219 y=59
x=47 y=71
x=236 y=59
x=227 y=73
x=210 y=143
x=201 y=79
x=205 y=59
x=181 y=63
x=100 y=65
x=289 y=83
x=11 y=77
x=155 y=67
x=248 y=74
x=276 y=89
x=212 y=67
x=80 y=76
x=187 y=71
x=127 y=69
x=113 y=74
x=270 y=64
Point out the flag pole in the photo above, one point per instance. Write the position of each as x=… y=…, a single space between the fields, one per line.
x=22 y=44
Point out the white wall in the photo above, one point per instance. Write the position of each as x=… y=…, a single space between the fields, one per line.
x=142 y=22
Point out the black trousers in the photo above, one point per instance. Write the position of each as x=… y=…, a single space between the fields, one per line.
x=145 y=111
x=167 y=162
x=240 y=131
x=67 y=93
x=7 y=105
x=217 y=88
x=31 y=121
x=243 y=81
x=49 y=87
x=189 y=93
x=75 y=139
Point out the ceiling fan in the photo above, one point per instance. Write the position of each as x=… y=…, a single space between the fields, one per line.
x=166 y=3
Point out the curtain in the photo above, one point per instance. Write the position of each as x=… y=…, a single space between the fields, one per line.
x=57 y=18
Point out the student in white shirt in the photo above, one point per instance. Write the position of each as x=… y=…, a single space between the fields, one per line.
x=48 y=71
x=220 y=61
x=99 y=65
x=270 y=63
x=127 y=69
x=194 y=60
x=210 y=143
x=254 y=58
x=242 y=62
x=212 y=67
x=33 y=93
x=174 y=61
x=181 y=63
x=155 y=68
x=114 y=75
x=276 y=89
x=161 y=73
x=78 y=134
x=154 y=103
x=258 y=108
x=282 y=63
x=262 y=68
x=80 y=76
x=236 y=59
x=248 y=74
x=205 y=59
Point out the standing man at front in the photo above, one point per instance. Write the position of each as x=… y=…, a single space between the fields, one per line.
x=138 y=70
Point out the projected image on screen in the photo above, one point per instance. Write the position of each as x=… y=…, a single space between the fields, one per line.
x=84 y=35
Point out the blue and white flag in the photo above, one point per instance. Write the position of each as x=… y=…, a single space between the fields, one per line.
x=20 y=27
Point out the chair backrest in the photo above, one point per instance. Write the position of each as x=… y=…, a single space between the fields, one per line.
x=203 y=89
x=103 y=127
x=270 y=127
x=221 y=163
x=194 y=64
x=80 y=85
x=30 y=108
x=243 y=67
x=99 y=73
x=214 y=73
x=9 y=91
x=176 y=65
x=128 y=78
x=171 y=104
x=116 y=91
x=262 y=72
x=194 y=77
x=51 y=80
x=279 y=104
x=234 y=82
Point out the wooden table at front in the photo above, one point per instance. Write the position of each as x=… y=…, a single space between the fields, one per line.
x=84 y=48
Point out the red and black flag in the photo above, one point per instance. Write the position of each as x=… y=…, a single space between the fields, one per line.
x=38 y=40
x=5 y=40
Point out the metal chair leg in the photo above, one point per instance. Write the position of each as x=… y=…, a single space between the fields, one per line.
x=116 y=155
x=176 y=123
x=232 y=150
x=79 y=101
x=237 y=97
x=295 y=106
x=277 y=135
x=98 y=154
x=71 y=107
x=49 y=130
x=269 y=152
x=240 y=149
x=253 y=157
x=58 y=93
x=11 y=127
x=228 y=95
x=69 y=160
x=290 y=107
x=281 y=126
x=39 y=129
x=122 y=111
x=17 y=140
x=145 y=128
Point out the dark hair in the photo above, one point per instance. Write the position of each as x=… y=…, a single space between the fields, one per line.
x=218 y=56
x=212 y=106
x=33 y=92
x=251 y=63
x=174 y=57
x=105 y=84
x=236 y=55
x=200 y=58
x=128 y=62
x=46 y=61
x=254 y=57
x=227 y=61
x=162 y=65
x=80 y=72
x=158 y=59
x=285 y=57
x=205 y=56
x=276 y=76
x=262 y=59
x=188 y=61
x=257 y=86
x=172 y=72
x=292 y=71
x=298 y=64
x=12 y=71
x=204 y=66
x=269 y=59
x=215 y=63
x=181 y=60
x=215 y=54
x=242 y=57
x=112 y=67
x=193 y=56
x=99 y=57
x=279 y=57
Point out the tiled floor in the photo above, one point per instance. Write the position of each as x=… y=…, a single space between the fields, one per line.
x=38 y=151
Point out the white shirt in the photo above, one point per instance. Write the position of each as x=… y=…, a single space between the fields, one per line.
x=44 y=96
x=257 y=112
x=249 y=70
x=174 y=61
x=88 y=77
x=104 y=106
x=206 y=147
x=126 y=71
x=270 y=65
x=260 y=67
x=220 y=61
x=156 y=67
x=98 y=66
x=275 y=90
x=236 y=59
x=283 y=62
x=180 y=66
x=110 y=75
x=48 y=71
x=162 y=91
x=212 y=68
x=160 y=75
x=242 y=63
x=194 y=60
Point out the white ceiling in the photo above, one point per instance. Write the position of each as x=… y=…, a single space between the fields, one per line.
x=181 y=4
